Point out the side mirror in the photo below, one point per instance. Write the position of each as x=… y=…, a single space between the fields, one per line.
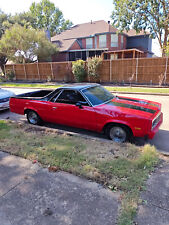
x=78 y=104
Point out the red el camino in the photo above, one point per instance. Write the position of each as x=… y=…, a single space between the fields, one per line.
x=91 y=107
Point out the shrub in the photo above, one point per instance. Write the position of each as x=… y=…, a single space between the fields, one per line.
x=92 y=67
x=2 y=78
x=78 y=69
x=10 y=75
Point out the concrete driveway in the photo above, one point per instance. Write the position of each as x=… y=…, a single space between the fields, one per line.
x=160 y=140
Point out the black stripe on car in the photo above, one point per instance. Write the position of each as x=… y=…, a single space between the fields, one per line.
x=139 y=101
x=132 y=107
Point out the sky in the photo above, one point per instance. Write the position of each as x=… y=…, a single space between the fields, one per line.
x=75 y=10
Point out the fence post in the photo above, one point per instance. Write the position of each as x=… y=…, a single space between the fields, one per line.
x=136 y=69
x=38 y=71
x=52 y=70
x=25 y=71
x=110 y=70
x=165 y=73
x=13 y=66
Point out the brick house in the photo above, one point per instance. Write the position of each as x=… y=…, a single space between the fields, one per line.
x=94 y=38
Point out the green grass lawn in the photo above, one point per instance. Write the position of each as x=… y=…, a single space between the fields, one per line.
x=33 y=85
x=139 y=89
x=110 y=88
x=123 y=168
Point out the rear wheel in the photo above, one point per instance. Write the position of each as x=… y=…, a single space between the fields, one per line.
x=33 y=118
x=117 y=133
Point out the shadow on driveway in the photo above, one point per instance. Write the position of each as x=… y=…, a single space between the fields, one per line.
x=160 y=141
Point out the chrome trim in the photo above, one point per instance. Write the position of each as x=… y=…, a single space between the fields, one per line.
x=90 y=101
x=85 y=97
x=54 y=95
x=152 y=127
x=58 y=95
x=72 y=90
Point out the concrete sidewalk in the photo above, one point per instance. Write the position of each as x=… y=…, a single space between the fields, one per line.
x=30 y=195
x=155 y=207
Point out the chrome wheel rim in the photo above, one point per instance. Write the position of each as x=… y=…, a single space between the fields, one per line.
x=33 y=118
x=118 y=134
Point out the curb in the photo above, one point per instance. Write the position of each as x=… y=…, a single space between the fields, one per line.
x=114 y=92
x=59 y=131
x=85 y=136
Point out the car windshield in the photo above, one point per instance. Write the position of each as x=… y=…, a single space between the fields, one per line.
x=97 y=95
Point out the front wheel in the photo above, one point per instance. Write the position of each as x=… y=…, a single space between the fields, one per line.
x=118 y=134
x=33 y=118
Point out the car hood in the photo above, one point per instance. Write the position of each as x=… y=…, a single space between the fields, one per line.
x=6 y=94
x=133 y=106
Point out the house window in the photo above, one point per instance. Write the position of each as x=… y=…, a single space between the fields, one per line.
x=122 y=41
x=102 y=41
x=114 y=40
x=89 y=43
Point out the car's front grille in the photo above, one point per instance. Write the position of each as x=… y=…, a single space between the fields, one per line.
x=156 y=121
x=4 y=100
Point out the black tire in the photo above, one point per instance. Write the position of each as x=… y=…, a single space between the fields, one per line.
x=118 y=133
x=33 y=118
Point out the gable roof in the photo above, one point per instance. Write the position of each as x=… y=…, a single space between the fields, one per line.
x=133 y=32
x=64 y=45
x=85 y=30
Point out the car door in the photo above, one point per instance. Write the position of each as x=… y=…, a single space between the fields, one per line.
x=64 y=110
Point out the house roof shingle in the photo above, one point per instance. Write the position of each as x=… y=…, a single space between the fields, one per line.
x=66 y=39
x=133 y=32
x=85 y=30
x=64 y=45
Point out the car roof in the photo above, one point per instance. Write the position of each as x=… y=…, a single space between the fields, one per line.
x=78 y=86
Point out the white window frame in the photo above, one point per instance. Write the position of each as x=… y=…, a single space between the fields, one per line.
x=89 y=43
x=114 y=40
x=103 y=41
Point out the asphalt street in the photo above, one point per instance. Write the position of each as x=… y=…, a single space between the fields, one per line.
x=160 y=140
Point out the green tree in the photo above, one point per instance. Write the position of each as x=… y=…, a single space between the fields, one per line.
x=24 y=19
x=167 y=49
x=49 y=17
x=23 y=45
x=152 y=15
x=3 y=17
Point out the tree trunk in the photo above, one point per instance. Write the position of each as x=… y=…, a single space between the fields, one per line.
x=165 y=42
x=3 y=61
x=2 y=68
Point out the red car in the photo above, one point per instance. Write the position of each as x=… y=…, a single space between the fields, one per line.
x=91 y=107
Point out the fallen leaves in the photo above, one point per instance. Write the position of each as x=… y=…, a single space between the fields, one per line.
x=53 y=168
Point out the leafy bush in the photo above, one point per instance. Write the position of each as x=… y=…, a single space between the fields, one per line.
x=10 y=75
x=2 y=78
x=78 y=69
x=92 y=67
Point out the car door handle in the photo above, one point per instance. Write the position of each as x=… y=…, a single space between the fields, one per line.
x=54 y=107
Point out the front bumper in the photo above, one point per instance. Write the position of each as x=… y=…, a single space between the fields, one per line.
x=152 y=133
x=4 y=105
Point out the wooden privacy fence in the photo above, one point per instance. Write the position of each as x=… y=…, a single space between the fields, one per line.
x=138 y=71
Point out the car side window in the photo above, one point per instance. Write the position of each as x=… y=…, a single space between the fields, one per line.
x=53 y=99
x=71 y=97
